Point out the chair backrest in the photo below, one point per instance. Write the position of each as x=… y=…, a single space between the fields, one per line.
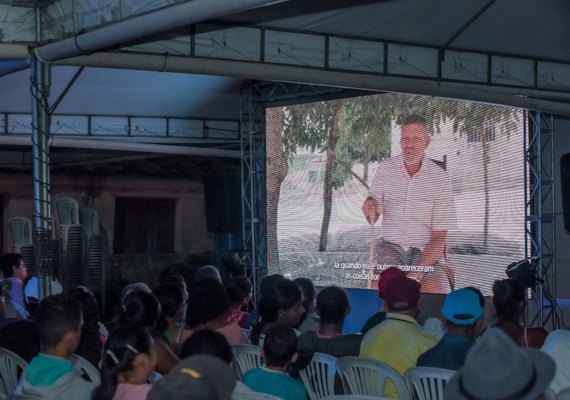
x=427 y=383
x=89 y=219
x=16 y=396
x=25 y=397
x=564 y=394
x=67 y=211
x=11 y=367
x=253 y=396
x=246 y=357
x=318 y=376
x=87 y=369
x=364 y=376
x=20 y=230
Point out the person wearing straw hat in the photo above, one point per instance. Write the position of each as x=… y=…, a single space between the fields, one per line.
x=497 y=369
x=415 y=198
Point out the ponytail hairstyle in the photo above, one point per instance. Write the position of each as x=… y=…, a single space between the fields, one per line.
x=509 y=299
x=121 y=349
x=140 y=309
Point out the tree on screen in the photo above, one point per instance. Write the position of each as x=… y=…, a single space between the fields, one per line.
x=365 y=138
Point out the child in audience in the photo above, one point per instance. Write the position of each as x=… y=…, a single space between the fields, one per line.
x=279 y=350
x=239 y=291
x=332 y=307
x=143 y=309
x=50 y=375
x=128 y=362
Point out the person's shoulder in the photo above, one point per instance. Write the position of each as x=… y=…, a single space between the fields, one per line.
x=537 y=336
x=252 y=374
x=433 y=168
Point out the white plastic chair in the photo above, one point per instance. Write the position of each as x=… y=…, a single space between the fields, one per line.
x=364 y=376
x=20 y=230
x=564 y=394
x=253 y=396
x=319 y=375
x=246 y=357
x=86 y=367
x=427 y=383
x=11 y=367
x=67 y=211
x=89 y=219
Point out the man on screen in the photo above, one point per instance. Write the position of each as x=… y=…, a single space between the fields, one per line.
x=414 y=196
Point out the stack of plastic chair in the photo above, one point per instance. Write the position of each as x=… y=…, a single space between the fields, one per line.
x=93 y=250
x=20 y=240
x=69 y=231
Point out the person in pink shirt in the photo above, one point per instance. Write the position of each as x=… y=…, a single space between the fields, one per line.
x=415 y=199
x=128 y=362
x=239 y=291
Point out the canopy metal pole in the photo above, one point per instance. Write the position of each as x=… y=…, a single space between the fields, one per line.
x=40 y=85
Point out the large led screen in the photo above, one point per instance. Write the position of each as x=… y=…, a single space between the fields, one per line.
x=432 y=186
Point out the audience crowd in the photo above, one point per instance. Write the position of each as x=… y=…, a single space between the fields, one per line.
x=175 y=341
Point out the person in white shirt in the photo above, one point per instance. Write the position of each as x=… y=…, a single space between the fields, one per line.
x=414 y=196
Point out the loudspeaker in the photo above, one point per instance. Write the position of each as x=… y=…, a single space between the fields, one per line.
x=223 y=204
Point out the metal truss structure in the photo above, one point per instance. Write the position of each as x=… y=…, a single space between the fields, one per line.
x=155 y=129
x=539 y=210
x=254 y=99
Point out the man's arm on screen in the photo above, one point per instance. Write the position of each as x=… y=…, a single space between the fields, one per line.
x=434 y=249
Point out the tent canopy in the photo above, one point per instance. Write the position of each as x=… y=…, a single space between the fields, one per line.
x=193 y=56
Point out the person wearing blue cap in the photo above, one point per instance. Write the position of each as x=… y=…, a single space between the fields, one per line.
x=462 y=311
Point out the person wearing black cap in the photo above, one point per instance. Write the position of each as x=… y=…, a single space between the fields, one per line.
x=198 y=377
x=462 y=312
x=496 y=368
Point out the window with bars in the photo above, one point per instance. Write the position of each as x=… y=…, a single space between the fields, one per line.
x=144 y=225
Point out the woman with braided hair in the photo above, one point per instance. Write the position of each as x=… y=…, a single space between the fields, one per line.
x=128 y=361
